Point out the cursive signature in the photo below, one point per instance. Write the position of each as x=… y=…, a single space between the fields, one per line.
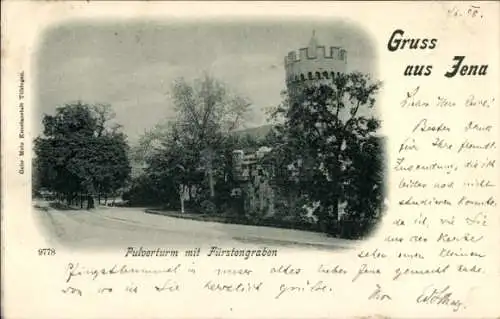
x=440 y=297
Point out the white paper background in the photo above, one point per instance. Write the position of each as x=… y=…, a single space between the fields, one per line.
x=32 y=284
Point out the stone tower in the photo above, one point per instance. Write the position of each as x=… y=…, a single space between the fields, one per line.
x=314 y=64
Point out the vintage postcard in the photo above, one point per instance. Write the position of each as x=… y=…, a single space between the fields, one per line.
x=250 y=160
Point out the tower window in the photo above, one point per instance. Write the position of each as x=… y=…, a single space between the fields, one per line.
x=325 y=75
x=309 y=76
x=318 y=75
x=333 y=75
x=302 y=77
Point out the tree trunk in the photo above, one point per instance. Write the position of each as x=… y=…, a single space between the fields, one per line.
x=333 y=215
x=90 y=202
x=181 y=196
x=211 y=182
x=81 y=200
x=182 y=206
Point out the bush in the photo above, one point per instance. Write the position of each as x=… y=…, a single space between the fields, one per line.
x=207 y=207
x=145 y=191
x=359 y=228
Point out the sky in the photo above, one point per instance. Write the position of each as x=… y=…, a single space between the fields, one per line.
x=131 y=64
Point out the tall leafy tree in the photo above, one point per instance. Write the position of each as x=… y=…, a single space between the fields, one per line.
x=318 y=124
x=206 y=112
x=82 y=152
x=191 y=150
x=364 y=187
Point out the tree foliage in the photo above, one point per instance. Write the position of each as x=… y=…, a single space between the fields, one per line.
x=326 y=154
x=194 y=149
x=81 y=152
x=318 y=144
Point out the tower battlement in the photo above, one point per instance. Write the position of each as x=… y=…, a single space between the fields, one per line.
x=321 y=52
x=315 y=62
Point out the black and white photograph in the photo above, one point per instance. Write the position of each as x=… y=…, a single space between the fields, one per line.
x=171 y=159
x=252 y=132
